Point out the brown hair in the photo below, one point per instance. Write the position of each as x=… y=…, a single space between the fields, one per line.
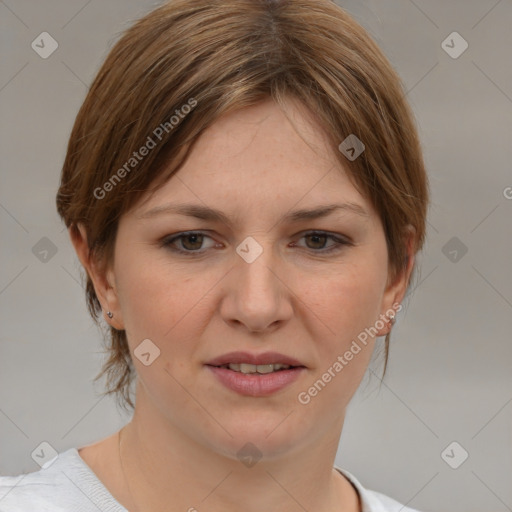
x=217 y=56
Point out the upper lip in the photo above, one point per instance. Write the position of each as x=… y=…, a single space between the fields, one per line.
x=256 y=359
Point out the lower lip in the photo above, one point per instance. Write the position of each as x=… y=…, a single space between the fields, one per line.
x=256 y=384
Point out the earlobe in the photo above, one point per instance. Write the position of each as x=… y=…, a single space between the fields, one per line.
x=387 y=320
x=103 y=280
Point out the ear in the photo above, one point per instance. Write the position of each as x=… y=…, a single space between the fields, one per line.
x=102 y=276
x=397 y=287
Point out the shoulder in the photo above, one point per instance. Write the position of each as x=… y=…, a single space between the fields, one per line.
x=65 y=483
x=373 y=501
x=38 y=489
x=386 y=503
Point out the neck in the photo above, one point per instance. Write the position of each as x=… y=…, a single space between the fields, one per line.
x=166 y=469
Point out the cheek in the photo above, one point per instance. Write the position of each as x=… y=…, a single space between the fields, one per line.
x=163 y=304
x=159 y=300
x=343 y=307
x=348 y=299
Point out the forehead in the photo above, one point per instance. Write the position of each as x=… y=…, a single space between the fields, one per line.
x=266 y=140
x=261 y=158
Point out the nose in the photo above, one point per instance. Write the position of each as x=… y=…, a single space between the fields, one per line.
x=257 y=297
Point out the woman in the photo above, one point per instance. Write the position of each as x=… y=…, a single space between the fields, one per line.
x=245 y=189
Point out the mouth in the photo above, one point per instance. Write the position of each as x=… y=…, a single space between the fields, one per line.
x=261 y=369
x=247 y=362
x=255 y=375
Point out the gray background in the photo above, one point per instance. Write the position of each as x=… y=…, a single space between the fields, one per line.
x=450 y=371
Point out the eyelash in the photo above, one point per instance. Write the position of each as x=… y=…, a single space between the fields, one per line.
x=339 y=242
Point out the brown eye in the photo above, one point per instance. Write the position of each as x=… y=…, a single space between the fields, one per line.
x=192 y=242
x=318 y=241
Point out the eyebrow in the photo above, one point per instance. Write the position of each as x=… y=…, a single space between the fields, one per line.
x=211 y=214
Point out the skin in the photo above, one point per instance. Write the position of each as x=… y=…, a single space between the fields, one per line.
x=180 y=448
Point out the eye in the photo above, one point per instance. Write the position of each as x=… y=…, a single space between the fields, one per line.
x=188 y=242
x=316 y=240
x=191 y=242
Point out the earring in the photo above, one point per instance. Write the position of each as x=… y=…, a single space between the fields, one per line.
x=392 y=319
x=109 y=314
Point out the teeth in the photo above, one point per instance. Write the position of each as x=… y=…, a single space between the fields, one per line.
x=253 y=368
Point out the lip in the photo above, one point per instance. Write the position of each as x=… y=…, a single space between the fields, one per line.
x=248 y=358
x=256 y=384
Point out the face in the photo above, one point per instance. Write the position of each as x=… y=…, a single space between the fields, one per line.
x=261 y=278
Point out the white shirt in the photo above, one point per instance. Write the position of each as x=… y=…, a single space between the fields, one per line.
x=68 y=484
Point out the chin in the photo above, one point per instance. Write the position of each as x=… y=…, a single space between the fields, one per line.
x=267 y=435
